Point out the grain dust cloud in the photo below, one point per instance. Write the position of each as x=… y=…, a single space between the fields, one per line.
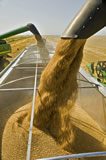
x=56 y=96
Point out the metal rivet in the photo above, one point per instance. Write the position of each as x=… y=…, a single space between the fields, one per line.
x=83 y=26
x=90 y=17
x=76 y=36
x=98 y=8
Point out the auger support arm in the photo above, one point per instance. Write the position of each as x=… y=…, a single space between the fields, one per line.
x=28 y=27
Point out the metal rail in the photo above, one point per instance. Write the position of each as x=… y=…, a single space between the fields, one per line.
x=29 y=27
x=15 y=89
x=80 y=155
x=32 y=118
x=16 y=80
x=28 y=68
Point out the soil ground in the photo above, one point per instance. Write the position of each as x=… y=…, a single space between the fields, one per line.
x=94 y=50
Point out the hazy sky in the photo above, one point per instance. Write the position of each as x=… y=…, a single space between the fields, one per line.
x=50 y=16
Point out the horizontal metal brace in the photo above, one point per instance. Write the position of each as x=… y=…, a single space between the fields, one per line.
x=17 y=80
x=15 y=89
x=36 y=58
x=32 y=63
x=89 y=87
x=28 y=67
x=80 y=155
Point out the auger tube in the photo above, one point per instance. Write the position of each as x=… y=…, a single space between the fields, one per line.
x=90 y=19
x=28 y=27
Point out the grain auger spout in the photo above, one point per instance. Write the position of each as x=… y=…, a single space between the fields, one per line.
x=5 y=48
x=37 y=35
x=28 y=27
x=90 y=19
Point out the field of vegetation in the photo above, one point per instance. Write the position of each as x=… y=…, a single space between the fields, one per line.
x=94 y=50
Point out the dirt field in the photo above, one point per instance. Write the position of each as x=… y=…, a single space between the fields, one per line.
x=94 y=51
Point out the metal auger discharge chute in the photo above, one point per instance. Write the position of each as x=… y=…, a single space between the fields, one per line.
x=5 y=48
x=29 y=27
x=89 y=20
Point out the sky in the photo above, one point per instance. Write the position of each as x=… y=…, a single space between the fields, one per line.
x=51 y=17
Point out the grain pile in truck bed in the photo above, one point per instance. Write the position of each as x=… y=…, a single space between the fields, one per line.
x=52 y=132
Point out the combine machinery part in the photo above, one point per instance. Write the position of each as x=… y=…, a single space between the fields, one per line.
x=6 y=48
x=90 y=68
x=101 y=69
x=98 y=71
x=88 y=21
x=28 y=27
